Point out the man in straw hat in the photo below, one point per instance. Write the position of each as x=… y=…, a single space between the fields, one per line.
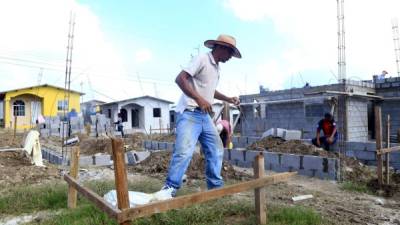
x=198 y=81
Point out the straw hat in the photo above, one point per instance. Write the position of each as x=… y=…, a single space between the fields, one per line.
x=224 y=40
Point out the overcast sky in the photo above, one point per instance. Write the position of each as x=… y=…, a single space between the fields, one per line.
x=125 y=49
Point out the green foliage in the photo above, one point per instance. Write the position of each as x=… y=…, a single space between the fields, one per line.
x=355 y=187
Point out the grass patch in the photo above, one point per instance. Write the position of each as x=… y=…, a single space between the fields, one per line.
x=296 y=215
x=227 y=210
x=30 y=199
x=355 y=187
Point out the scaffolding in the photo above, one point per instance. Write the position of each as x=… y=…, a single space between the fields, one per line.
x=341 y=42
x=395 y=28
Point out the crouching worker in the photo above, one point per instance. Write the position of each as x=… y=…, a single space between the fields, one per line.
x=328 y=126
x=198 y=82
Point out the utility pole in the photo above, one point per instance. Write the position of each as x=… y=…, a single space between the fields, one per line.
x=67 y=84
x=395 y=28
x=341 y=42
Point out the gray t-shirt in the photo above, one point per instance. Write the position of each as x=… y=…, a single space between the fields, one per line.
x=205 y=73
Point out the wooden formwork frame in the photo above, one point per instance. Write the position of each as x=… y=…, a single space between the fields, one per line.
x=124 y=215
x=380 y=151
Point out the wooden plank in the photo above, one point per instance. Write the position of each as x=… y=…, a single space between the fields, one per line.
x=11 y=149
x=259 y=193
x=388 y=150
x=188 y=200
x=93 y=197
x=15 y=126
x=387 y=172
x=378 y=137
x=121 y=179
x=73 y=172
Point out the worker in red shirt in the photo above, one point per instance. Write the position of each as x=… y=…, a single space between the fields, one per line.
x=328 y=126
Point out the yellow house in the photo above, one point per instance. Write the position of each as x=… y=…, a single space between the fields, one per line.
x=25 y=105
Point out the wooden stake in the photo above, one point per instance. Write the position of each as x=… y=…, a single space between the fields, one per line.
x=378 y=137
x=387 y=172
x=15 y=126
x=121 y=179
x=259 y=193
x=93 y=197
x=191 y=199
x=73 y=172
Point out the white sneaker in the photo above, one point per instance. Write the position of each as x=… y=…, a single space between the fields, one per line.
x=165 y=193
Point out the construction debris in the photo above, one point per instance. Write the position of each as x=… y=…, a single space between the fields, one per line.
x=301 y=197
x=158 y=162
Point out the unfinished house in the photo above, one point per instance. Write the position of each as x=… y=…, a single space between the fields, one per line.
x=142 y=114
x=351 y=103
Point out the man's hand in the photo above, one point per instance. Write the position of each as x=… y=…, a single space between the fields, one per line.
x=318 y=142
x=234 y=100
x=330 y=140
x=204 y=105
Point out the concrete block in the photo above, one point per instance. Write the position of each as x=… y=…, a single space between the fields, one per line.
x=290 y=161
x=308 y=172
x=396 y=165
x=140 y=155
x=292 y=135
x=243 y=141
x=394 y=157
x=162 y=145
x=365 y=155
x=236 y=156
x=102 y=160
x=170 y=146
x=312 y=163
x=131 y=158
x=271 y=160
x=154 y=145
x=251 y=155
x=147 y=144
x=227 y=154
x=86 y=160
x=333 y=166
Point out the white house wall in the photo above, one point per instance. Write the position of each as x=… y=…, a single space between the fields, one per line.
x=149 y=120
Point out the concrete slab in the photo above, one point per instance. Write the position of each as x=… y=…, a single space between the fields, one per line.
x=365 y=155
x=102 y=160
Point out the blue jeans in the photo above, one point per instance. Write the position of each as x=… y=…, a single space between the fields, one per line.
x=193 y=126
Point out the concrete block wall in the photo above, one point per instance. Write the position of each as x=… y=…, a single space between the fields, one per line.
x=131 y=158
x=363 y=151
x=357 y=119
x=314 y=166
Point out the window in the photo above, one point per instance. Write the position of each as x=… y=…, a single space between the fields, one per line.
x=19 y=108
x=62 y=104
x=156 y=112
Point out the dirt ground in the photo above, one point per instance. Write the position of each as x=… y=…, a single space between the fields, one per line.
x=162 y=137
x=335 y=204
x=158 y=162
x=273 y=144
x=7 y=139
x=15 y=168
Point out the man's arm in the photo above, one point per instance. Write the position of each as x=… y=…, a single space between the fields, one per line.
x=234 y=100
x=333 y=134
x=182 y=80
